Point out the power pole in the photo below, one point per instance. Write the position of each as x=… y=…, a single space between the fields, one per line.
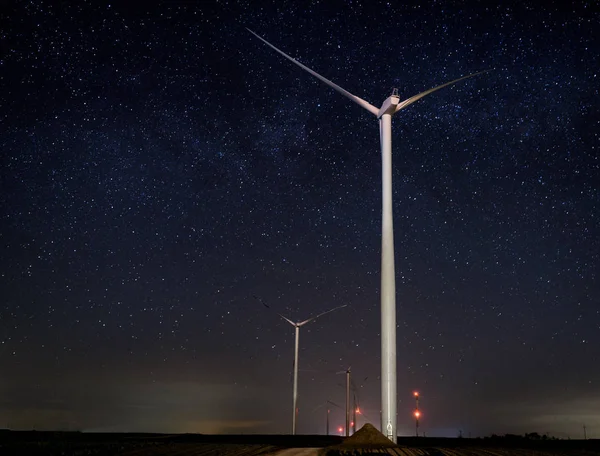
x=354 y=415
x=348 y=402
x=417 y=413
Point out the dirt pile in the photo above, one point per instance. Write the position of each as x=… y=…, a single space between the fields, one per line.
x=367 y=438
x=368 y=435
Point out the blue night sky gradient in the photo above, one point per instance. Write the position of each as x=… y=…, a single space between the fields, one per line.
x=160 y=166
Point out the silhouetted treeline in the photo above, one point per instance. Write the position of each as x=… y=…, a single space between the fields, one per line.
x=528 y=436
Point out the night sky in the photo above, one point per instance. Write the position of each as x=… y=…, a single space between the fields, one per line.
x=160 y=167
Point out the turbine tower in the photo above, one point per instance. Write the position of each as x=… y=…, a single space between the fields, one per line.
x=326 y=403
x=297 y=326
x=384 y=114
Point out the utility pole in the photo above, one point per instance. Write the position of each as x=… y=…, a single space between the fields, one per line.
x=354 y=415
x=584 y=433
x=417 y=413
x=348 y=402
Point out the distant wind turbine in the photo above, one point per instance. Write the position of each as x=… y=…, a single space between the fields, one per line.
x=298 y=325
x=390 y=106
x=347 y=372
x=327 y=403
x=356 y=408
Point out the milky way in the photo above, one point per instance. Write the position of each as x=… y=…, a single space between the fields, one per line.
x=161 y=166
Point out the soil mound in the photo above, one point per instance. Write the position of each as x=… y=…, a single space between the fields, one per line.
x=368 y=435
x=367 y=438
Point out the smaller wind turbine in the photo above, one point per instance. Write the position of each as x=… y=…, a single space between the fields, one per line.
x=351 y=386
x=297 y=326
x=356 y=407
x=347 y=372
x=327 y=403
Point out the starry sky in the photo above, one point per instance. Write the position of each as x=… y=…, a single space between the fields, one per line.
x=160 y=167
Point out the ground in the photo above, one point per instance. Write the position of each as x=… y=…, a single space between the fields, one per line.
x=79 y=444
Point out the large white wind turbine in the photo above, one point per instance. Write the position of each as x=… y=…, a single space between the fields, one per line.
x=297 y=326
x=388 y=283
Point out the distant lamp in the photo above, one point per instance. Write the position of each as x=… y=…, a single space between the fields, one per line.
x=417 y=413
x=417 y=416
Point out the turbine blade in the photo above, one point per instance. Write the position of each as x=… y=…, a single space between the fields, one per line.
x=333 y=403
x=411 y=100
x=320 y=315
x=268 y=307
x=318 y=407
x=302 y=323
x=359 y=101
x=288 y=320
x=261 y=301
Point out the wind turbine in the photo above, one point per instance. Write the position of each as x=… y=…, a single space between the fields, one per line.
x=350 y=386
x=347 y=372
x=384 y=114
x=298 y=325
x=356 y=407
x=327 y=403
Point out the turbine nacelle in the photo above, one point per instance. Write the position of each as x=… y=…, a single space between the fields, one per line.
x=390 y=105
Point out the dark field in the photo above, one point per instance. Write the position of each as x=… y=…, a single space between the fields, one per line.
x=73 y=443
